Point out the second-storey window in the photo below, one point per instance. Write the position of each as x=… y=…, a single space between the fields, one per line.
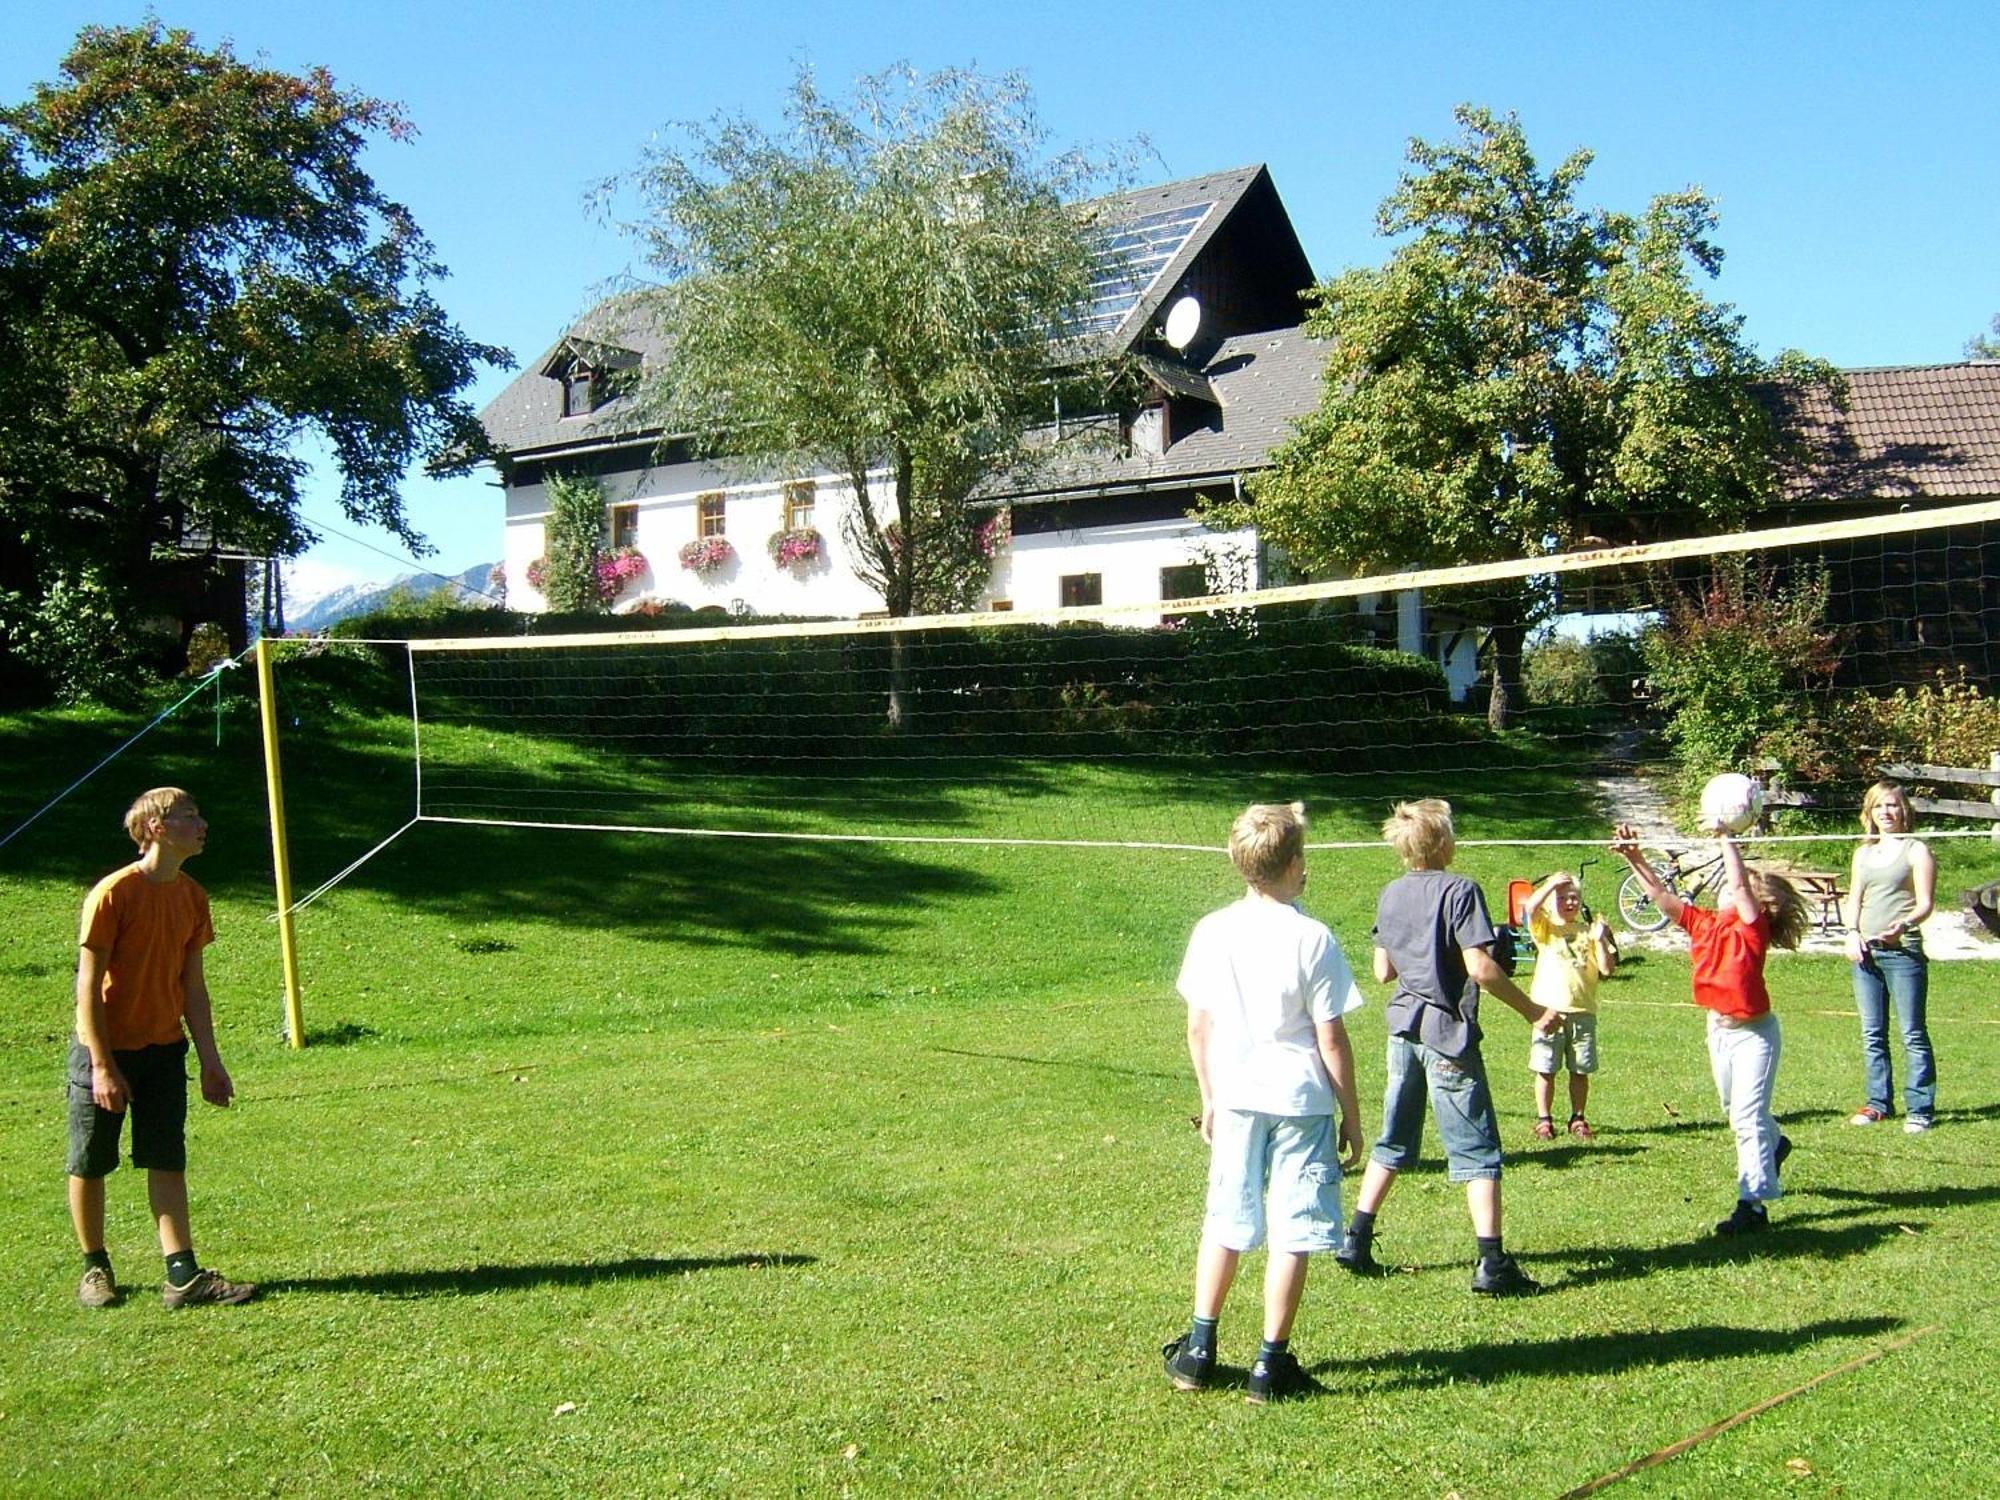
x=800 y=496
x=708 y=515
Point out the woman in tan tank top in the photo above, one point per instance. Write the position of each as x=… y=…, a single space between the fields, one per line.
x=1890 y=887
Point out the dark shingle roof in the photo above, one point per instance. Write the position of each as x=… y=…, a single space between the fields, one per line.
x=526 y=420
x=1262 y=382
x=1911 y=432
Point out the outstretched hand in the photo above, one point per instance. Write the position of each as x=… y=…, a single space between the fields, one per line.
x=1625 y=844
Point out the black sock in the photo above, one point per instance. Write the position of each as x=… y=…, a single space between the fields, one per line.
x=181 y=1267
x=1361 y=1227
x=1270 y=1349
x=1201 y=1334
x=1489 y=1249
x=97 y=1260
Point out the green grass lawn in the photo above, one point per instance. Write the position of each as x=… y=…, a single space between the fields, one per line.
x=628 y=1165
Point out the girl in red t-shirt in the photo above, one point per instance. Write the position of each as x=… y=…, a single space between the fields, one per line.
x=1754 y=910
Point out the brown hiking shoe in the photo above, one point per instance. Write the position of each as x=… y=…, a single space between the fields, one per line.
x=98 y=1289
x=207 y=1287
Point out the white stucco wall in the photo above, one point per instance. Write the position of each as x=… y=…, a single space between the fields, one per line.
x=1028 y=573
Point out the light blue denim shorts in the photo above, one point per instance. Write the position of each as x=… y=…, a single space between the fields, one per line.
x=1459 y=1097
x=1283 y=1168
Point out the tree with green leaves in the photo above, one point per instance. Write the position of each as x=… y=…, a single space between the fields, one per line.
x=1523 y=373
x=1983 y=346
x=196 y=274
x=872 y=292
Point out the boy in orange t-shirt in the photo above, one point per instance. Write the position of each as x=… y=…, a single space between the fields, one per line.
x=138 y=980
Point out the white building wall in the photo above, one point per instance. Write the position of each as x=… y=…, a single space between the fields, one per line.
x=1127 y=557
x=1028 y=573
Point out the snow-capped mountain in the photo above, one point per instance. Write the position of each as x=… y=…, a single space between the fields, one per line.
x=307 y=610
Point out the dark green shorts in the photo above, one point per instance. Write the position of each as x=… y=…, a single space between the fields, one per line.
x=157 y=1078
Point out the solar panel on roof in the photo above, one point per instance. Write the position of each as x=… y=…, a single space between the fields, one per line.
x=1132 y=254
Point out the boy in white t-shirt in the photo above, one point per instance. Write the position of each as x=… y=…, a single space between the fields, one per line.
x=1266 y=987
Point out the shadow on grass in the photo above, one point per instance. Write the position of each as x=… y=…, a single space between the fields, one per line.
x=1560 y=1158
x=1902 y=1198
x=1804 y=1237
x=470 y=1281
x=1059 y=1062
x=1574 y=1355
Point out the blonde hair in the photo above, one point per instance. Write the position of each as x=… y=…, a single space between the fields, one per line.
x=1875 y=796
x=160 y=802
x=1265 y=840
x=1784 y=905
x=1420 y=832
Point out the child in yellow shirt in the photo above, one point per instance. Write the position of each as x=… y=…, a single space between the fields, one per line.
x=1570 y=957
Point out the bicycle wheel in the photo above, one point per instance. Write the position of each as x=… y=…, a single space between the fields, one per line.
x=1637 y=908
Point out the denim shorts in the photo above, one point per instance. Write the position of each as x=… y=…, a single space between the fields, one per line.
x=1460 y=1099
x=1285 y=1164
x=1572 y=1048
x=157 y=1079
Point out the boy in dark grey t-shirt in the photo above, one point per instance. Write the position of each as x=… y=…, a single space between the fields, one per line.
x=1432 y=938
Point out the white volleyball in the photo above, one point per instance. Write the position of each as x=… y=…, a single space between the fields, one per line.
x=1732 y=801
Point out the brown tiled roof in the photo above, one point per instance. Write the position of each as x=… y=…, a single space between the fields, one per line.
x=1911 y=432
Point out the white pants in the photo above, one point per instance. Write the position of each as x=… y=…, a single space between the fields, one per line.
x=1744 y=1057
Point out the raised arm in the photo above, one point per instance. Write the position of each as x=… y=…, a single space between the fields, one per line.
x=1736 y=881
x=1626 y=847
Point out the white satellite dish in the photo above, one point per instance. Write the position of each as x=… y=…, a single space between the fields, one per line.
x=1183 y=322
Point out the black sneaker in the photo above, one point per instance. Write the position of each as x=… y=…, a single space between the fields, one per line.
x=207 y=1290
x=1189 y=1369
x=1503 y=1277
x=1276 y=1379
x=1357 y=1256
x=1748 y=1218
x=1784 y=1150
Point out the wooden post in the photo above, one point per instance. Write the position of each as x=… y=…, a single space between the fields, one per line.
x=1993 y=764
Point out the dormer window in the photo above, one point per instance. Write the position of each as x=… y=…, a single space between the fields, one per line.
x=580 y=388
x=1147 y=435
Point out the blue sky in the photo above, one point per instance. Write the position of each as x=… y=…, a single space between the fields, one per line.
x=1853 y=149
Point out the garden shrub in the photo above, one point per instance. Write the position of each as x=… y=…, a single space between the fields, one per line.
x=1736 y=661
x=1561 y=672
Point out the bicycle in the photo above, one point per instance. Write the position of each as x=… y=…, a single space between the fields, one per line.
x=1688 y=881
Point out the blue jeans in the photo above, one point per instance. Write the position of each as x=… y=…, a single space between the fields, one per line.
x=1458 y=1095
x=1901 y=973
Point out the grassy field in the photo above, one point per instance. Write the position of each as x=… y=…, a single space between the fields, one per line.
x=628 y=1165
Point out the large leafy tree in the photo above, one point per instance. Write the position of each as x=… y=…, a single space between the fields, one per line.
x=871 y=291
x=1522 y=373
x=1985 y=345
x=197 y=274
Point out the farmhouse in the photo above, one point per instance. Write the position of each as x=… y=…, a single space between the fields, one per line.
x=1217 y=258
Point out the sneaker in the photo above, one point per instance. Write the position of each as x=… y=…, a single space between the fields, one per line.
x=1580 y=1128
x=1503 y=1278
x=207 y=1287
x=1189 y=1369
x=1918 y=1124
x=98 y=1288
x=1276 y=1379
x=1357 y=1256
x=1747 y=1218
x=1545 y=1129
x=1784 y=1150
x=1868 y=1114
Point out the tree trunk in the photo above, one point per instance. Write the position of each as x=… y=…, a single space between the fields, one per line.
x=1510 y=633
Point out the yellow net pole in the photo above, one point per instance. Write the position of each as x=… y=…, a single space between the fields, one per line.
x=274 y=784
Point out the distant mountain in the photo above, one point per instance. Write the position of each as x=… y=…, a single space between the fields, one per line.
x=319 y=611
